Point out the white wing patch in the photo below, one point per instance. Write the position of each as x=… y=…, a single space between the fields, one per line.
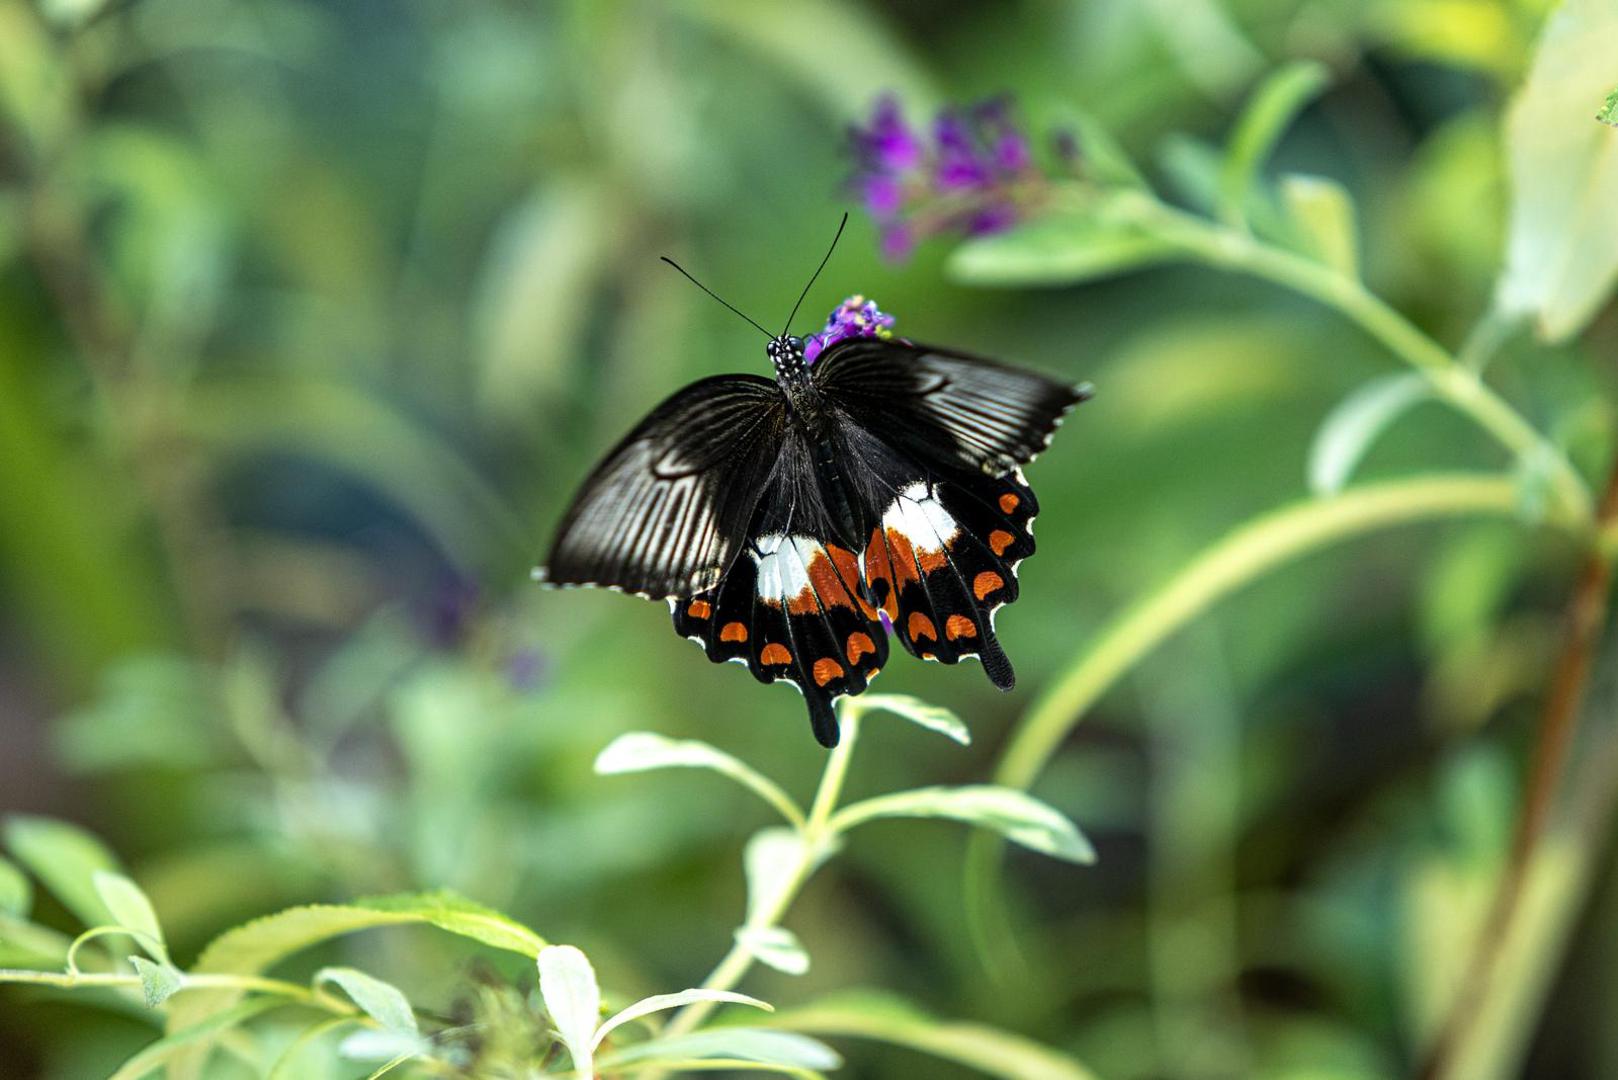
x=920 y=518
x=783 y=566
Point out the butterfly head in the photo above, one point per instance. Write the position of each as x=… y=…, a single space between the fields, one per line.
x=786 y=353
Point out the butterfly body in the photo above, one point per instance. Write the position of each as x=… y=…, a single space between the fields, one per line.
x=791 y=523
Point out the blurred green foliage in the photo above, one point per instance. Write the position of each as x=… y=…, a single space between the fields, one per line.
x=312 y=314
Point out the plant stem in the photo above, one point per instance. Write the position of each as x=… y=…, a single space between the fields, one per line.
x=69 y=980
x=1586 y=615
x=1458 y=384
x=815 y=835
x=1244 y=555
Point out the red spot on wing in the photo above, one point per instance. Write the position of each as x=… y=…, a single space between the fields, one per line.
x=774 y=653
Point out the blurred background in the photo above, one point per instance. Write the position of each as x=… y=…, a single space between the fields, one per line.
x=313 y=314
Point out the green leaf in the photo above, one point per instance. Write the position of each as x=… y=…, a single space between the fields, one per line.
x=932 y=717
x=131 y=910
x=572 y=996
x=865 y=1015
x=1271 y=109
x=772 y=859
x=27 y=944
x=1323 y=213
x=158 y=981
x=1061 y=248
x=258 y=945
x=639 y=751
x=16 y=891
x=450 y=911
x=65 y=859
x=776 y=947
x=1562 y=246
x=381 y=1001
x=172 y=1048
x=660 y=1002
x=744 y=1044
x=1017 y=816
x=1347 y=433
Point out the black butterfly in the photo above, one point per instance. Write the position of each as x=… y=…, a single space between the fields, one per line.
x=783 y=520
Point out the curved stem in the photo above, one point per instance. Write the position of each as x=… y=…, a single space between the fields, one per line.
x=815 y=836
x=1458 y=384
x=1586 y=615
x=1244 y=555
x=70 y=980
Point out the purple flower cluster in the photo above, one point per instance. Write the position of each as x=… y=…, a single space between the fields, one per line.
x=854 y=317
x=970 y=176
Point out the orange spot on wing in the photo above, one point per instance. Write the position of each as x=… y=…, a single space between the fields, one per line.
x=928 y=656
x=903 y=560
x=733 y=631
x=959 y=626
x=826 y=669
x=932 y=560
x=826 y=588
x=1009 y=502
x=986 y=583
x=699 y=609
x=921 y=626
x=858 y=645
x=999 y=540
x=879 y=567
x=873 y=673
x=848 y=567
x=774 y=653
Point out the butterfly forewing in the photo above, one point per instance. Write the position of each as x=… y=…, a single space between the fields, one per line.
x=662 y=515
x=944 y=406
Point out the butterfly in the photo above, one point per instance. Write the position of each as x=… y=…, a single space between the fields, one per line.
x=791 y=522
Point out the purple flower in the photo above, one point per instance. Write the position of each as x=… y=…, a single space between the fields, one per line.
x=888 y=144
x=853 y=318
x=973 y=175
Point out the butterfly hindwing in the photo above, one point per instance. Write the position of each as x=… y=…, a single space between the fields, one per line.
x=792 y=605
x=663 y=514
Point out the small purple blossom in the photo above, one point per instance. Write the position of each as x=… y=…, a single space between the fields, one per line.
x=854 y=317
x=974 y=174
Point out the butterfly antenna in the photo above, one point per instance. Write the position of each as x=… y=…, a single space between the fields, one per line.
x=713 y=294
x=816 y=274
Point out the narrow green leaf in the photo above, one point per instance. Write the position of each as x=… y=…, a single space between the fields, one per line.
x=1562 y=245
x=932 y=717
x=391 y=1045
x=572 y=997
x=1269 y=112
x=1058 y=249
x=865 y=1015
x=776 y=947
x=65 y=859
x=16 y=891
x=381 y=1001
x=131 y=910
x=1323 y=213
x=1017 y=816
x=167 y=1050
x=680 y=1066
x=661 y=1002
x=158 y=981
x=258 y=945
x=772 y=859
x=27 y=944
x=1352 y=427
x=639 y=751
x=456 y=914
x=743 y=1044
